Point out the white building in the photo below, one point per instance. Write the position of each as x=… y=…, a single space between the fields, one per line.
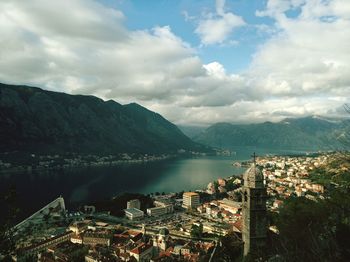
x=133 y=213
x=229 y=205
x=190 y=200
x=160 y=210
x=76 y=239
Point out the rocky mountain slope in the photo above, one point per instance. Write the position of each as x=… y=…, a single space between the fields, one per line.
x=35 y=120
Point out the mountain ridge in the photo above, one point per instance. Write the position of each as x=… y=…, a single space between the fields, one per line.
x=33 y=119
x=307 y=133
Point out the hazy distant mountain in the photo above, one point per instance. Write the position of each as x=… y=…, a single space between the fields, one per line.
x=191 y=131
x=309 y=133
x=32 y=119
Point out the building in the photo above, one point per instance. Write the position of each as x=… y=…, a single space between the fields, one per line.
x=78 y=227
x=76 y=239
x=222 y=182
x=229 y=205
x=42 y=246
x=142 y=252
x=92 y=239
x=211 y=188
x=190 y=200
x=162 y=207
x=92 y=258
x=89 y=209
x=160 y=210
x=55 y=208
x=222 y=189
x=254 y=228
x=162 y=202
x=133 y=213
x=135 y=203
x=160 y=242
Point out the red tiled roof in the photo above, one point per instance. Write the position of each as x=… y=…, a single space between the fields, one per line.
x=140 y=248
x=238 y=225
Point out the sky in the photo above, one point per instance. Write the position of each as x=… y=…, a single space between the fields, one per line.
x=196 y=62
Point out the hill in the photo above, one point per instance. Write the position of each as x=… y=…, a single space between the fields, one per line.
x=36 y=120
x=309 y=133
x=191 y=131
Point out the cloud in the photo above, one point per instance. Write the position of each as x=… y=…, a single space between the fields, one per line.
x=98 y=55
x=73 y=19
x=301 y=69
x=244 y=111
x=309 y=56
x=187 y=16
x=274 y=8
x=217 y=28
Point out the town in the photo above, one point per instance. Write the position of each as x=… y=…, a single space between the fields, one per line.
x=32 y=162
x=179 y=227
x=13 y=162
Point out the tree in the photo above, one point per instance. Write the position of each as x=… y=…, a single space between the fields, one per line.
x=230 y=248
x=7 y=240
x=315 y=231
x=178 y=226
x=197 y=231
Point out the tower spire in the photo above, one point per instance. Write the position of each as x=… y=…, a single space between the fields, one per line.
x=254 y=212
x=254 y=156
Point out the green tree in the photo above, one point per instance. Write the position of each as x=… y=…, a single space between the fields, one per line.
x=315 y=231
x=197 y=231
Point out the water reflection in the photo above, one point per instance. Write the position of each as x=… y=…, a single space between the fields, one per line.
x=83 y=185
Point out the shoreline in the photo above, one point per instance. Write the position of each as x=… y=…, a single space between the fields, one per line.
x=40 y=169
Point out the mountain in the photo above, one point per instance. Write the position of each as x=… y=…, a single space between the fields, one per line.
x=309 y=133
x=35 y=120
x=191 y=131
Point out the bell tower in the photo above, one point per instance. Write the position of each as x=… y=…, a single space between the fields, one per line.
x=254 y=210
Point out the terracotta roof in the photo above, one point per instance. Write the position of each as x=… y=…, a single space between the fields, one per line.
x=140 y=248
x=238 y=225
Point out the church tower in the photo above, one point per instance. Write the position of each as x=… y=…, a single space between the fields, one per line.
x=254 y=210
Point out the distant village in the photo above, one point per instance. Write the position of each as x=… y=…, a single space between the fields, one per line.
x=185 y=228
x=41 y=163
x=10 y=162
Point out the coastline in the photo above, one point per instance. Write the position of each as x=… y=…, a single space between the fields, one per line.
x=77 y=163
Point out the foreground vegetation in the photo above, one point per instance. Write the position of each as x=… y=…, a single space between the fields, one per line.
x=307 y=230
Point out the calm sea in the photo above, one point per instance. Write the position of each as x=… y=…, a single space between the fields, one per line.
x=79 y=186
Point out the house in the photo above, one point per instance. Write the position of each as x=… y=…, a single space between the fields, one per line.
x=143 y=252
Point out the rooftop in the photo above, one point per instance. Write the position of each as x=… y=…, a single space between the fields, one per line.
x=140 y=248
x=134 y=211
x=190 y=194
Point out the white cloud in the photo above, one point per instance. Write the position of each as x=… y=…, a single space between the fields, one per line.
x=275 y=8
x=244 y=111
x=187 y=16
x=220 y=7
x=83 y=47
x=146 y=66
x=308 y=57
x=215 y=69
x=217 y=28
